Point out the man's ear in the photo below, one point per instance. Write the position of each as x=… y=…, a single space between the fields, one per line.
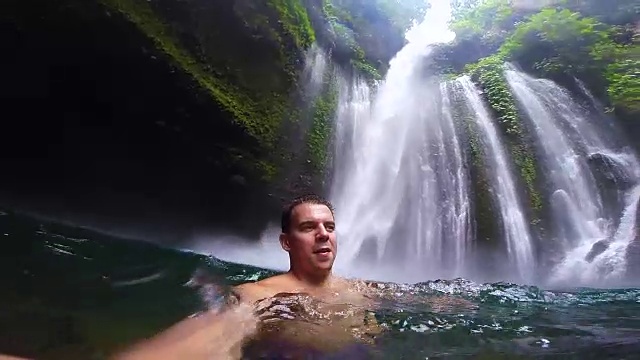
x=284 y=242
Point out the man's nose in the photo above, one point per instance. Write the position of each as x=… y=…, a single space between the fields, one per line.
x=323 y=234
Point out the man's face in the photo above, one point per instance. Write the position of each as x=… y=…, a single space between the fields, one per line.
x=311 y=240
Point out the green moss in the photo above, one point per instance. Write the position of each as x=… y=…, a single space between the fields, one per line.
x=489 y=74
x=243 y=109
x=269 y=170
x=366 y=69
x=335 y=13
x=295 y=20
x=324 y=109
x=348 y=46
x=525 y=162
x=252 y=92
x=484 y=209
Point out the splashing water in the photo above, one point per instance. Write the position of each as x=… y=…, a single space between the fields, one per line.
x=608 y=267
x=78 y=295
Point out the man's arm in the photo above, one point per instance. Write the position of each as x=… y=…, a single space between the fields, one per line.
x=207 y=336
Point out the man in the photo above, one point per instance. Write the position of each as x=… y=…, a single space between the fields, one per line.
x=308 y=288
x=308 y=235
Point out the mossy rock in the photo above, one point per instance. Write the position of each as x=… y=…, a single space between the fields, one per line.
x=488 y=73
x=216 y=42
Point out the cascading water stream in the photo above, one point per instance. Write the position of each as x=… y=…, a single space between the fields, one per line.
x=315 y=67
x=517 y=237
x=575 y=199
x=400 y=186
x=566 y=136
x=458 y=210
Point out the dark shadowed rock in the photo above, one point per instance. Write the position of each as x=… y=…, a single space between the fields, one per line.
x=597 y=249
x=633 y=260
x=610 y=172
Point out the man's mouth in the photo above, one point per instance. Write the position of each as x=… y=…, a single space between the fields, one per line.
x=322 y=251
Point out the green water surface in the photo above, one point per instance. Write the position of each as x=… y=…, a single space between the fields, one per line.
x=71 y=293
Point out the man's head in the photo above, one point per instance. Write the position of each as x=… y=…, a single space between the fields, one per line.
x=308 y=234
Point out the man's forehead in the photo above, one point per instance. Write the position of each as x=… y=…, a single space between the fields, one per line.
x=310 y=211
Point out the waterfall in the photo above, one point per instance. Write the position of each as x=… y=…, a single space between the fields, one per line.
x=457 y=213
x=517 y=237
x=316 y=65
x=567 y=136
x=400 y=187
x=575 y=199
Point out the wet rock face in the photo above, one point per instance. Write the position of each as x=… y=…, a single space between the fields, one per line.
x=140 y=109
x=105 y=123
x=613 y=178
x=633 y=260
x=610 y=173
x=597 y=249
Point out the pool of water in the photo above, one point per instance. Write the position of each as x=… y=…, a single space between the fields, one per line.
x=71 y=293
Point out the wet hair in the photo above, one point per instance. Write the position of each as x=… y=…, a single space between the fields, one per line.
x=285 y=220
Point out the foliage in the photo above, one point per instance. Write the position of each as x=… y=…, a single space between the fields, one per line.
x=257 y=109
x=616 y=13
x=489 y=73
x=624 y=80
x=564 y=42
x=559 y=40
x=489 y=17
x=367 y=69
x=481 y=26
x=487 y=22
x=399 y=15
x=588 y=39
